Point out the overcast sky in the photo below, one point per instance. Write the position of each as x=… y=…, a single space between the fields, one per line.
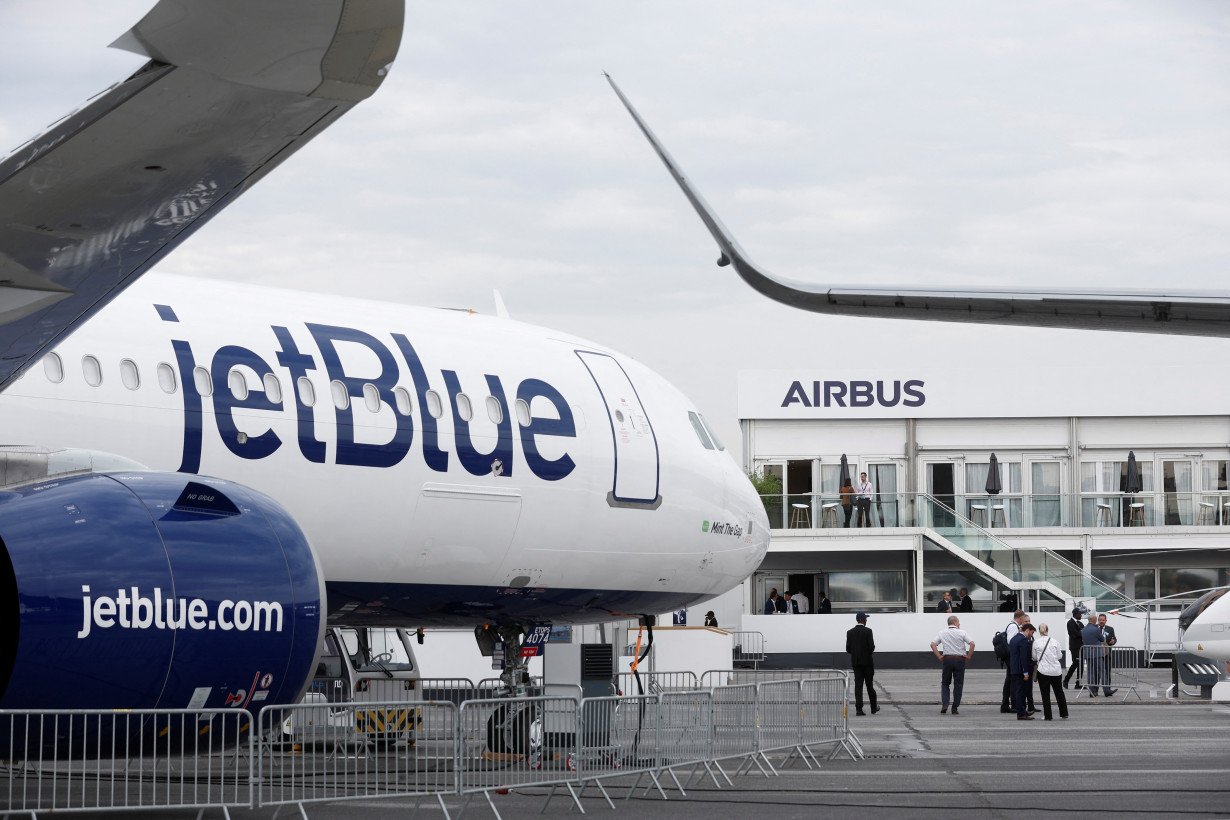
x=898 y=143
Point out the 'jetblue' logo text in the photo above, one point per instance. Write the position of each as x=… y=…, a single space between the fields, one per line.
x=297 y=360
x=856 y=394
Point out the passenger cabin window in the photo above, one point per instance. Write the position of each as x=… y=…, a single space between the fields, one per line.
x=129 y=374
x=307 y=392
x=495 y=411
x=401 y=396
x=201 y=380
x=341 y=396
x=699 y=427
x=273 y=388
x=522 y=409
x=53 y=367
x=435 y=408
x=465 y=411
x=371 y=397
x=237 y=383
x=166 y=378
x=91 y=370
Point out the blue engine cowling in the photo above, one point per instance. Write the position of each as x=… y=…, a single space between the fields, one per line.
x=144 y=590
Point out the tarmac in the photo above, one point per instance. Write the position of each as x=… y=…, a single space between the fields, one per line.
x=1112 y=758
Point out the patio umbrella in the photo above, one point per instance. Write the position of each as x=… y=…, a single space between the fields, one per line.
x=844 y=478
x=995 y=484
x=1132 y=485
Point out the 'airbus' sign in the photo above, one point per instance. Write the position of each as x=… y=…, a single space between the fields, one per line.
x=856 y=393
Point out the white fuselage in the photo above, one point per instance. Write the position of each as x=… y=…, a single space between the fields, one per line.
x=1209 y=634
x=560 y=480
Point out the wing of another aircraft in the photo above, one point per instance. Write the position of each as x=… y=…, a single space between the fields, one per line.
x=1175 y=312
x=232 y=88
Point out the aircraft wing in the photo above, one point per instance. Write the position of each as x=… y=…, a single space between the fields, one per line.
x=1176 y=312
x=232 y=88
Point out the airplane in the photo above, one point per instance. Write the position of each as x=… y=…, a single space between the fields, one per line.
x=1188 y=313
x=379 y=464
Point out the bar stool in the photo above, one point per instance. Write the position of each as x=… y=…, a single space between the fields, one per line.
x=1206 y=513
x=978 y=514
x=828 y=514
x=997 y=514
x=1225 y=513
x=1136 y=514
x=1104 y=518
x=800 y=516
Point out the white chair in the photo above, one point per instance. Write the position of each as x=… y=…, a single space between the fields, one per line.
x=800 y=516
x=997 y=514
x=828 y=514
x=1206 y=513
x=1136 y=514
x=1104 y=518
x=978 y=514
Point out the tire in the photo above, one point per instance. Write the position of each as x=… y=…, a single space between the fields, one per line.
x=508 y=730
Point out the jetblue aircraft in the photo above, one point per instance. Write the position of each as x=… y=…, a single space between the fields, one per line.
x=377 y=464
x=1175 y=312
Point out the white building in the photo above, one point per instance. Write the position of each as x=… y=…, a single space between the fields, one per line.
x=925 y=433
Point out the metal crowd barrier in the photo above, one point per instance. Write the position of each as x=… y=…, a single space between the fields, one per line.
x=733 y=677
x=318 y=753
x=453 y=690
x=656 y=682
x=748 y=648
x=1110 y=667
x=131 y=760
x=507 y=743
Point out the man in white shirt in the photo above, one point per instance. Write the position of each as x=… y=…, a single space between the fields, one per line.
x=953 y=648
x=804 y=604
x=862 y=499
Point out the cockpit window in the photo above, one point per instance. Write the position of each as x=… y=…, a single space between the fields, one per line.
x=699 y=427
x=712 y=435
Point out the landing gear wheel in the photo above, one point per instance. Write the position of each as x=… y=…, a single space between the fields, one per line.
x=510 y=730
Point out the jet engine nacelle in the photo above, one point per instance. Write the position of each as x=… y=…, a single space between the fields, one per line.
x=153 y=590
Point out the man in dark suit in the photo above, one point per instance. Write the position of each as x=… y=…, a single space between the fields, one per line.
x=1074 y=647
x=861 y=645
x=824 y=606
x=966 y=603
x=945 y=604
x=1021 y=667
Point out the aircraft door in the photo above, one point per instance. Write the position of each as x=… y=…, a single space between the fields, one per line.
x=636 y=446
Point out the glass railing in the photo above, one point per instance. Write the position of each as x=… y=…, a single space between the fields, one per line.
x=1010 y=510
x=1021 y=565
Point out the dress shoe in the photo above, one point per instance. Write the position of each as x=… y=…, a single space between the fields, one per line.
x=1024 y=717
x=1003 y=710
x=943 y=710
x=1106 y=694
x=1031 y=710
x=875 y=709
x=1046 y=718
x=861 y=714
x=954 y=711
x=1092 y=693
x=1063 y=717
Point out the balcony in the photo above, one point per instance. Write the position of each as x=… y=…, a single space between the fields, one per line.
x=1011 y=510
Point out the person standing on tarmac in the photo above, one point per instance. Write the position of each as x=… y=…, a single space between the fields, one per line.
x=1020 y=667
x=953 y=647
x=861 y=644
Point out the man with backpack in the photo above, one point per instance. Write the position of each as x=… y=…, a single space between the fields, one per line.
x=1001 y=643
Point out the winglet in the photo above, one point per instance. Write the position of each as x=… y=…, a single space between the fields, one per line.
x=729 y=248
x=500 y=309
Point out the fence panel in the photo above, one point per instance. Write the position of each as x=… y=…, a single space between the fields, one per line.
x=510 y=742
x=734 y=677
x=619 y=735
x=453 y=690
x=748 y=648
x=314 y=752
x=128 y=761
x=656 y=682
x=1110 y=668
x=685 y=727
x=733 y=724
x=823 y=710
x=778 y=715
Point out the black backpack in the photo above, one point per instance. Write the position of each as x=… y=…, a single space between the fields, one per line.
x=1000 y=644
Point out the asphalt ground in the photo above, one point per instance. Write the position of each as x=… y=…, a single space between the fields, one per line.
x=1147 y=757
